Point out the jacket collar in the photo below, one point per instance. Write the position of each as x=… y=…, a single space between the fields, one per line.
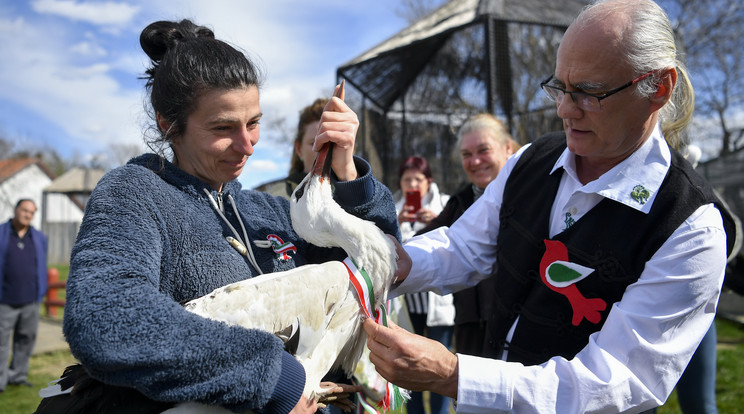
x=180 y=178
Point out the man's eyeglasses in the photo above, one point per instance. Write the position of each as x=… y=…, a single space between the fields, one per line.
x=585 y=101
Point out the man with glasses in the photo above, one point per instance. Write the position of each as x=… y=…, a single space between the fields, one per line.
x=607 y=250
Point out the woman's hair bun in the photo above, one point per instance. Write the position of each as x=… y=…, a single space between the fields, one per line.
x=162 y=35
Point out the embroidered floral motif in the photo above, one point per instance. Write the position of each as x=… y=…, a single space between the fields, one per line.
x=640 y=194
x=281 y=248
x=569 y=220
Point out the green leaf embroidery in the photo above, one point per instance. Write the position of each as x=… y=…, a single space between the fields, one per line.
x=560 y=273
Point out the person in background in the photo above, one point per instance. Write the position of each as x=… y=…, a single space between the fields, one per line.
x=23 y=284
x=162 y=230
x=303 y=155
x=414 y=175
x=484 y=144
x=607 y=249
x=696 y=389
x=430 y=314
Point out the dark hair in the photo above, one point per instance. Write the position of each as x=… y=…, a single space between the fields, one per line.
x=308 y=114
x=415 y=162
x=186 y=62
x=18 y=204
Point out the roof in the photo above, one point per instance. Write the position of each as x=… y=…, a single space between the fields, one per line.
x=449 y=16
x=12 y=166
x=76 y=180
x=383 y=72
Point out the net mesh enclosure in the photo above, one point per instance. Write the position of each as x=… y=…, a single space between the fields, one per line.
x=414 y=90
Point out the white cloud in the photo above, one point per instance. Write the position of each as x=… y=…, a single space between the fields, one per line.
x=84 y=101
x=83 y=81
x=88 y=49
x=263 y=166
x=11 y=25
x=104 y=13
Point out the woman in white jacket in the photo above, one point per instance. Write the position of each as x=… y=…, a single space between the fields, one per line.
x=431 y=315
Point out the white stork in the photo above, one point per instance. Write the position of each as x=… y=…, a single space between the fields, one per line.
x=314 y=307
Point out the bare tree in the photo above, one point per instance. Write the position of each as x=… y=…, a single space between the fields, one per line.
x=413 y=10
x=6 y=146
x=710 y=32
x=121 y=153
x=280 y=130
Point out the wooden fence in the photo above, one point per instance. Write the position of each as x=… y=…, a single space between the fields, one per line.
x=52 y=301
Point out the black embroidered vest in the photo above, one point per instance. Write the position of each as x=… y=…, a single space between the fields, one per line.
x=611 y=238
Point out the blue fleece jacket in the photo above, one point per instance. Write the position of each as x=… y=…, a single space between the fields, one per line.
x=150 y=241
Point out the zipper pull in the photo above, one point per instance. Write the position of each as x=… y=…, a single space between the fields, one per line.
x=220 y=203
x=235 y=243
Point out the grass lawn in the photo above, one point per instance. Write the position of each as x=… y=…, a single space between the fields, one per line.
x=43 y=368
x=730 y=371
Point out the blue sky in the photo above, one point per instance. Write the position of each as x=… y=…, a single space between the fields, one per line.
x=70 y=68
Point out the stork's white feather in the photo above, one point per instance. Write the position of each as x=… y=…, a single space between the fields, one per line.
x=317 y=301
x=314 y=296
x=317 y=218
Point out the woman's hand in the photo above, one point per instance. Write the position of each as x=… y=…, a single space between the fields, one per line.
x=339 y=395
x=339 y=125
x=406 y=216
x=305 y=406
x=425 y=215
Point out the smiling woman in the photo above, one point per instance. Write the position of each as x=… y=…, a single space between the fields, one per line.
x=159 y=232
x=220 y=135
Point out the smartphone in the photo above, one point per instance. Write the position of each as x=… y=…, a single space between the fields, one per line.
x=413 y=201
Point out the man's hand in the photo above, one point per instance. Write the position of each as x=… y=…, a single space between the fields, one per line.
x=411 y=361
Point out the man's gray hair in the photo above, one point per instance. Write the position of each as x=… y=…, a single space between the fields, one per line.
x=649 y=46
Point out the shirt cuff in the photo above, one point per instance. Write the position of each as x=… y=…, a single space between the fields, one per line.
x=483 y=386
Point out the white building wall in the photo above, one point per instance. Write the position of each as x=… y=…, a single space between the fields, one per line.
x=30 y=182
x=27 y=183
x=60 y=209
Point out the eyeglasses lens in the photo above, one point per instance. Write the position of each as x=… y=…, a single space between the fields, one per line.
x=582 y=100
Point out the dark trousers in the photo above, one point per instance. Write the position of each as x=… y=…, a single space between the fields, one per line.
x=18 y=327
x=438 y=404
x=696 y=390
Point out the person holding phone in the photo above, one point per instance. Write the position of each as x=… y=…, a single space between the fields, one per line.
x=432 y=315
x=419 y=199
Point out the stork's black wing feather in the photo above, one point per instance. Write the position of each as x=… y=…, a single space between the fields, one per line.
x=90 y=396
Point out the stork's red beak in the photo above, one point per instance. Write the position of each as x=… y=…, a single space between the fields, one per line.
x=322 y=165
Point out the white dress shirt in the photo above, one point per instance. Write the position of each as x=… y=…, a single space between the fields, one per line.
x=633 y=363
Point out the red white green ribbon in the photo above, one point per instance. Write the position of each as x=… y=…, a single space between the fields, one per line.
x=281 y=248
x=362 y=283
